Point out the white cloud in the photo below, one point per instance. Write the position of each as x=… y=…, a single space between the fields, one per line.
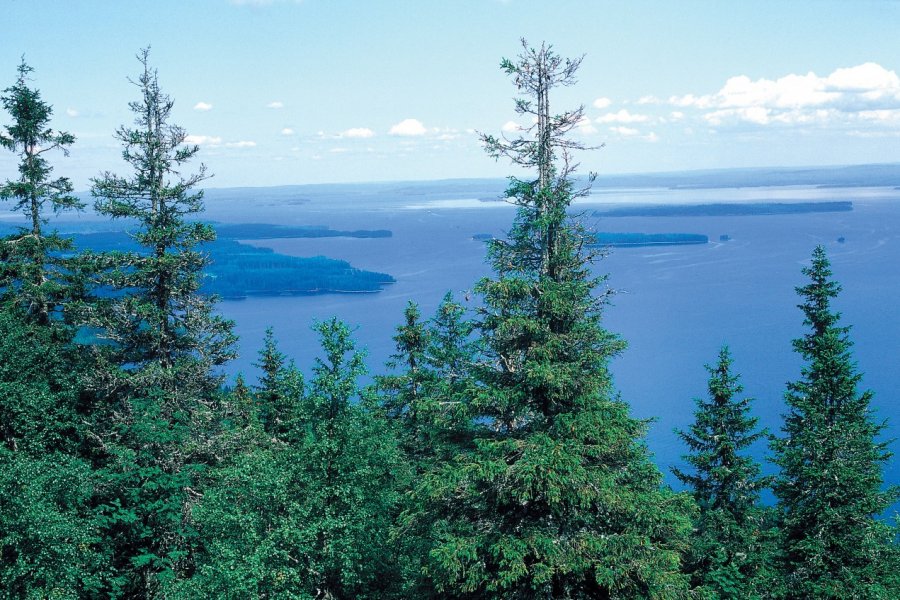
x=215 y=141
x=623 y=116
x=203 y=106
x=869 y=134
x=676 y=115
x=511 y=127
x=886 y=116
x=338 y=150
x=759 y=115
x=72 y=112
x=634 y=134
x=358 y=132
x=690 y=100
x=287 y=131
x=408 y=127
x=866 y=77
x=624 y=131
x=649 y=100
x=847 y=95
x=203 y=140
x=275 y=104
x=602 y=103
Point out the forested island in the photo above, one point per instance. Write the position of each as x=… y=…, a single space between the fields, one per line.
x=261 y=231
x=236 y=271
x=493 y=458
x=635 y=240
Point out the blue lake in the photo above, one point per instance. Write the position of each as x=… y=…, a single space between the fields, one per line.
x=675 y=305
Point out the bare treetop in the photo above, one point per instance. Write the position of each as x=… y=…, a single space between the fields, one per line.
x=535 y=72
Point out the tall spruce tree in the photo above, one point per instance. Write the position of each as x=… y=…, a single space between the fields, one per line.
x=160 y=411
x=31 y=276
x=557 y=496
x=49 y=539
x=162 y=320
x=731 y=547
x=830 y=489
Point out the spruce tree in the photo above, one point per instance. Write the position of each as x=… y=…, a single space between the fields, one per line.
x=731 y=545
x=279 y=389
x=159 y=411
x=830 y=489
x=162 y=323
x=32 y=276
x=451 y=354
x=557 y=496
x=406 y=395
x=426 y=394
x=307 y=516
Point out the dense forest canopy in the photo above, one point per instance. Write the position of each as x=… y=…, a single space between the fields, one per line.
x=492 y=458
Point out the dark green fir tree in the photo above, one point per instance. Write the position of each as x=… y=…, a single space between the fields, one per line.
x=556 y=496
x=159 y=409
x=32 y=275
x=451 y=354
x=407 y=393
x=49 y=538
x=830 y=490
x=279 y=391
x=732 y=545
x=426 y=395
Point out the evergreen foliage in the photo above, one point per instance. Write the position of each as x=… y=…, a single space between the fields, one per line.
x=427 y=399
x=280 y=390
x=307 y=516
x=161 y=319
x=31 y=276
x=406 y=395
x=830 y=488
x=49 y=539
x=496 y=460
x=451 y=353
x=731 y=549
x=427 y=395
x=556 y=497
x=159 y=412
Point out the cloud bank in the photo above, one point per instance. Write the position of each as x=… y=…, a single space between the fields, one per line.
x=866 y=93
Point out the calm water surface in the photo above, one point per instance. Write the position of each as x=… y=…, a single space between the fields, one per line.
x=675 y=306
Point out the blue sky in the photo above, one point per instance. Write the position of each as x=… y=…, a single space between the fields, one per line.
x=289 y=92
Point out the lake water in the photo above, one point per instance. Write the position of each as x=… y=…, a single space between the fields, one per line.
x=675 y=305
